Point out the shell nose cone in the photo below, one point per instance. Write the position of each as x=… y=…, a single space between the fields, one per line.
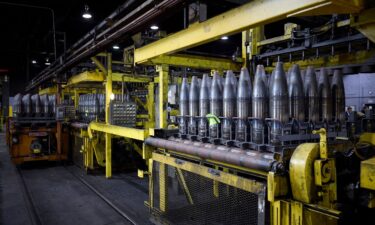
x=296 y=94
x=244 y=88
x=338 y=95
x=311 y=95
x=229 y=96
x=193 y=97
x=204 y=96
x=228 y=86
x=279 y=95
x=184 y=98
x=216 y=97
x=259 y=96
x=244 y=93
x=325 y=96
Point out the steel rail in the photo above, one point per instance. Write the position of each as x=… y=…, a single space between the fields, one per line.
x=31 y=209
x=101 y=196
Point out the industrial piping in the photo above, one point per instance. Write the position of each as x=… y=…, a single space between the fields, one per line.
x=235 y=156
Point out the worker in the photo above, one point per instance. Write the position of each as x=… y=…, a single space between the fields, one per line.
x=348 y=112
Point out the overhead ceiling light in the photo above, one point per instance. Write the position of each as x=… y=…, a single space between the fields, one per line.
x=33 y=61
x=154 y=27
x=47 y=63
x=86 y=14
x=116 y=47
x=224 y=38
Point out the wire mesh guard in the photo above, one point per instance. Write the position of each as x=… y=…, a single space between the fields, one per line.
x=194 y=199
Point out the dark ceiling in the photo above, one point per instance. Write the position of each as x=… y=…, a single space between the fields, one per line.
x=27 y=32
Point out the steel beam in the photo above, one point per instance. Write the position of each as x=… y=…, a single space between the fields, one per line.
x=336 y=61
x=95 y=76
x=49 y=90
x=87 y=76
x=249 y=15
x=193 y=61
x=99 y=65
x=108 y=136
x=163 y=94
x=127 y=132
x=131 y=78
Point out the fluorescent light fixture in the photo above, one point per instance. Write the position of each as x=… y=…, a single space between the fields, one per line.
x=47 y=63
x=154 y=27
x=224 y=38
x=33 y=61
x=112 y=96
x=116 y=47
x=86 y=14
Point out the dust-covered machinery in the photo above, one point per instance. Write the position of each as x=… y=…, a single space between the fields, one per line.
x=283 y=138
x=36 y=131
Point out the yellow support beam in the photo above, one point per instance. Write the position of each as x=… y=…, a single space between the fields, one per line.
x=357 y=57
x=365 y=23
x=249 y=15
x=196 y=62
x=163 y=94
x=49 y=90
x=130 y=78
x=108 y=136
x=367 y=178
x=87 y=76
x=127 y=132
x=99 y=65
x=97 y=76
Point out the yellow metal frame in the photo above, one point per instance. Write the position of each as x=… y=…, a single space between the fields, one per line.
x=87 y=76
x=195 y=62
x=126 y=132
x=49 y=90
x=357 y=57
x=217 y=176
x=163 y=71
x=248 y=185
x=249 y=15
x=367 y=178
x=97 y=76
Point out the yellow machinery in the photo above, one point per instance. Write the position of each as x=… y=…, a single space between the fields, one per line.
x=190 y=184
x=37 y=129
x=211 y=183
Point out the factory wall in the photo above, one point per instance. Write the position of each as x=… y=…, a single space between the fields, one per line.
x=359 y=90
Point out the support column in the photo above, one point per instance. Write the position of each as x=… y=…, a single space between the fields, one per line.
x=76 y=99
x=163 y=100
x=163 y=187
x=59 y=123
x=151 y=105
x=163 y=94
x=108 y=137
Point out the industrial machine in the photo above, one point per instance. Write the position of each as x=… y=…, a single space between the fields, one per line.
x=37 y=131
x=122 y=108
x=272 y=152
x=268 y=143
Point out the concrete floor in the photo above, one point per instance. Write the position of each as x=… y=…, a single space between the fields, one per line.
x=60 y=198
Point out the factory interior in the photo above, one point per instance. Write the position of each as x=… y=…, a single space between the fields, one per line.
x=254 y=112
